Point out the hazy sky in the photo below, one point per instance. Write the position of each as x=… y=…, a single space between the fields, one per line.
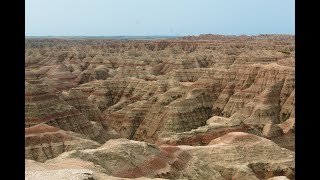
x=158 y=17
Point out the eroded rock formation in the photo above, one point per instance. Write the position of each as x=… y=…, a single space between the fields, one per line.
x=196 y=107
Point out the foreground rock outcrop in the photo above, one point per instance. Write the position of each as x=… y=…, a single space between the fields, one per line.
x=235 y=155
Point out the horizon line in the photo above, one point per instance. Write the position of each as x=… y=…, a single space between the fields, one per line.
x=157 y=35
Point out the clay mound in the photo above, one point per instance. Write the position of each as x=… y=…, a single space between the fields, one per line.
x=238 y=149
x=36 y=73
x=278 y=178
x=43 y=142
x=40 y=128
x=237 y=137
x=131 y=159
x=58 y=84
x=215 y=127
x=60 y=77
x=93 y=72
x=36 y=87
x=69 y=169
x=61 y=71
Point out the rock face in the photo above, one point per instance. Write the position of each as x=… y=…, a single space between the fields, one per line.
x=79 y=100
x=287 y=140
x=288 y=126
x=271 y=130
x=235 y=155
x=41 y=106
x=196 y=107
x=43 y=142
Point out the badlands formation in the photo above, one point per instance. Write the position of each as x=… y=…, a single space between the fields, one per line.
x=196 y=107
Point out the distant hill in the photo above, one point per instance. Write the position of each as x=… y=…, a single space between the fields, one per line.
x=105 y=37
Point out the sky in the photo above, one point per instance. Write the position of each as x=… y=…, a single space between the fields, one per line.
x=158 y=17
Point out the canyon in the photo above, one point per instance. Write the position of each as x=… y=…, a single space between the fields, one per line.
x=193 y=107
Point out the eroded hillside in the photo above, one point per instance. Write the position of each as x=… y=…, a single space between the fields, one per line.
x=196 y=107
